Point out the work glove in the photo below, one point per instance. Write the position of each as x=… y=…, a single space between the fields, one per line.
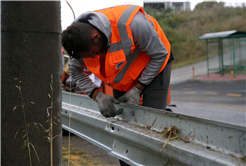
x=132 y=96
x=105 y=104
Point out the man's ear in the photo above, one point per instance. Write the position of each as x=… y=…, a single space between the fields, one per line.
x=95 y=36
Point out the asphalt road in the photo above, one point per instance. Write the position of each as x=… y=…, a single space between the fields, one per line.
x=210 y=92
x=215 y=100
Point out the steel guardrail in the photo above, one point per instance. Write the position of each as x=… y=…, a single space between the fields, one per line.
x=136 y=136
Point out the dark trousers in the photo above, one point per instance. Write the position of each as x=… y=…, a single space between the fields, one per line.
x=155 y=94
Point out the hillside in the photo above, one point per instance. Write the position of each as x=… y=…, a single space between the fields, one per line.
x=183 y=29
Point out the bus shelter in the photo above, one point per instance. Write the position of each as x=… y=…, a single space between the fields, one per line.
x=230 y=46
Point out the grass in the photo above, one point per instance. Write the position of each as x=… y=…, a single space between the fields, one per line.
x=52 y=120
x=77 y=157
x=172 y=133
x=27 y=144
x=183 y=29
x=187 y=62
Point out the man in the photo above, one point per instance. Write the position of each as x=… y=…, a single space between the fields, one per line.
x=124 y=47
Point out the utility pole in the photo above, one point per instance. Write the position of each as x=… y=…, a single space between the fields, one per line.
x=31 y=132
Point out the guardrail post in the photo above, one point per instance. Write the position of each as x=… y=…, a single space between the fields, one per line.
x=30 y=83
x=193 y=72
x=232 y=73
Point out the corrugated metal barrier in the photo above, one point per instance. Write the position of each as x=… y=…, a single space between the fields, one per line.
x=147 y=136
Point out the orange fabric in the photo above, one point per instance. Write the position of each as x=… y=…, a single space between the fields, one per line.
x=107 y=89
x=64 y=77
x=168 y=96
x=115 y=61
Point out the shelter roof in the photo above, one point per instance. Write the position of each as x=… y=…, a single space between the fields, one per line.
x=223 y=34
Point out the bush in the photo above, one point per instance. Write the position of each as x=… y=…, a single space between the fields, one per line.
x=184 y=28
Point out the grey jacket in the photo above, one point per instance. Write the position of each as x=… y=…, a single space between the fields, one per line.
x=145 y=38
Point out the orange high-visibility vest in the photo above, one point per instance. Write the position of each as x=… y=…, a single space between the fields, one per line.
x=124 y=62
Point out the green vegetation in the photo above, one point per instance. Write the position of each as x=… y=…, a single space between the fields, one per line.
x=184 y=28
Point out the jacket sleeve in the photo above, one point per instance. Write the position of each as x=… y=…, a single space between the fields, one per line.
x=82 y=80
x=146 y=39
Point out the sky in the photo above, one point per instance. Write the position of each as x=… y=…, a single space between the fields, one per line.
x=81 y=6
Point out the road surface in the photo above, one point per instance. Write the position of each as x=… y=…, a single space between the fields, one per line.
x=215 y=100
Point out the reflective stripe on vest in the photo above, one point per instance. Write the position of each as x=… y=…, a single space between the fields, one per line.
x=152 y=23
x=125 y=43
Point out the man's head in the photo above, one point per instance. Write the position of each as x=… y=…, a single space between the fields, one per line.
x=82 y=40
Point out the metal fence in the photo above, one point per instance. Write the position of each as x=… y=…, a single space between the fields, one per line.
x=140 y=135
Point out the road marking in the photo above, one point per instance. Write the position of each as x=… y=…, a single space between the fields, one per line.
x=193 y=103
x=234 y=95
x=229 y=107
x=190 y=92
x=215 y=106
x=211 y=93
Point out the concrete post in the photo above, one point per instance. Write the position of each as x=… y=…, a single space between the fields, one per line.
x=30 y=83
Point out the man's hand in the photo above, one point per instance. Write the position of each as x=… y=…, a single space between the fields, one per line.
x=105 y=104
x=132 y=96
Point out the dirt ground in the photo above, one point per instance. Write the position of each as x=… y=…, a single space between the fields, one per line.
x=83 y=153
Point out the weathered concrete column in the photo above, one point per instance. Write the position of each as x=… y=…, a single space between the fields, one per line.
x=30 y=83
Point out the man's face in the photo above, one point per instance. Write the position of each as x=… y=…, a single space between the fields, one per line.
x=99 y=47
x=95 y=50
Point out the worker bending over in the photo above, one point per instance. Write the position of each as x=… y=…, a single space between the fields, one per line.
x=125 y=48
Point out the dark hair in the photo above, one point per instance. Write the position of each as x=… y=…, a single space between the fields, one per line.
x=77 y=37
